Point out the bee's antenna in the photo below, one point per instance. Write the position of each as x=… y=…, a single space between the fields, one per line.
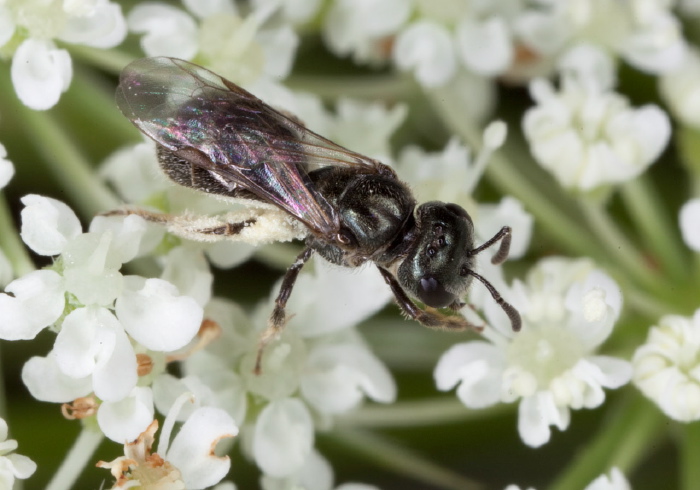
x=502 y=254
x=512 y=313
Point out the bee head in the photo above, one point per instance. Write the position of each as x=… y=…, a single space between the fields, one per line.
x=434 y=270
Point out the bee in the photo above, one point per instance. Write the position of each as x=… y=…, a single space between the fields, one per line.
x=214 y=136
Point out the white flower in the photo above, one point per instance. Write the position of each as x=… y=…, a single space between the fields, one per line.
x=447 y=175
x=358 y=27
x=690 y=223
x=7 y=170
x=452 y=175
x=6 y=271
x=615 y=481
x=666 y=368
x=37 y=301
x=485 y=45
x=315 y=474
x=366 y=127
x=238 y=49
x=188 y=462
x=123 y=420
x=102 y=317
x=318 y=365
x=47 y=224
x=426 y=48
x=680 y=89
x=12 y=466
x=93 y=343
x=588 y=138
x=40 y=71
x=645 y=34
x=568 y=309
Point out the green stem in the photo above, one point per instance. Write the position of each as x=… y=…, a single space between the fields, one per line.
x=404 y=462
x=621 y=250
x=11 y=243
x=76 y=460
x=634 y=428
x=647 y=211
x=109 y=60
x=690 y=456
x=416 y=413
x=68 y=165
x=648 y=305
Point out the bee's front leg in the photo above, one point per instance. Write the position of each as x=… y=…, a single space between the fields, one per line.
x=278 y=319
x=430 y=318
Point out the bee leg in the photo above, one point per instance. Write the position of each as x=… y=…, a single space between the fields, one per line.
x=201 y=229
x=430 y=318
x=153 y=217
x=278 y=317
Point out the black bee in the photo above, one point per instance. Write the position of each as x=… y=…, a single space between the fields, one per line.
x=215 y=137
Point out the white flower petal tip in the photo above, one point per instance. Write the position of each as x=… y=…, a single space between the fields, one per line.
x=341 y=375
x=614 y=481
x=37 y=301
x=666 y=367
x=7 y=170
x=690 y=224
x=47 y=224
x=40 y=73
x=568 y=309
x=125 y=419
x=193 y=449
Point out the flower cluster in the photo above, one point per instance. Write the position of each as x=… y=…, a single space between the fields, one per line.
x=99 y=315
x=437 y=40
x=568 y=308
x=142 y=341
x=41 y=71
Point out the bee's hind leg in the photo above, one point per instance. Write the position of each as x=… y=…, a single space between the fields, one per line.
x=198 y=228
x=278 y=319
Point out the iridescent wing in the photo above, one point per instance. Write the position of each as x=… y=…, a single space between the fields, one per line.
x=244 y=143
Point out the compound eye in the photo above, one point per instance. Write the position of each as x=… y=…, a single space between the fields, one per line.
x=432 y=293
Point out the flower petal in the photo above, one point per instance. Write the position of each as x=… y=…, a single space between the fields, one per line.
x=7 y=170
x=535 y=415
x=156 y=316
x=47 y=224
x=690 y=224
x=426 y=48
x=104 y=27
x=40 y=73
x=39 y=299
x=168 y=31
x=283 y=437
x=124 y=420
x=340 y=375
x=478 y=367
x=192 y=450
x=485 y=46
x=46 y=382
